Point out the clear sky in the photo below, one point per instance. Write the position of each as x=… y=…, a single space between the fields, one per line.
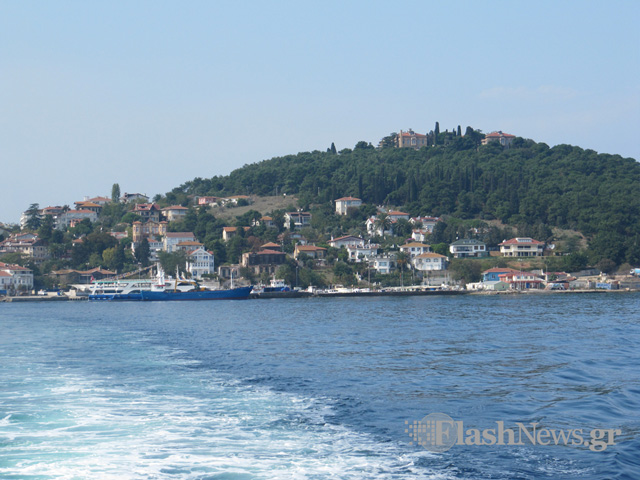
x=150 y=94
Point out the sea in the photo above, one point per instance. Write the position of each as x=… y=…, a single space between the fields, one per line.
x=323 y=388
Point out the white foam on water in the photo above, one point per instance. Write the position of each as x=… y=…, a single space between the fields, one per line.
x=190 y=424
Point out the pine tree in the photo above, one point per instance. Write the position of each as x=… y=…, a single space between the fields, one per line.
x=459 y=131
x=333 y=148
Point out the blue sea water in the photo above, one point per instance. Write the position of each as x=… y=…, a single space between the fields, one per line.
x=315 y=388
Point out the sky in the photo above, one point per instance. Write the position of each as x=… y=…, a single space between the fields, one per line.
x=151 y=94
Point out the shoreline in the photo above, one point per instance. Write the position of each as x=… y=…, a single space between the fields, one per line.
x=67 y=298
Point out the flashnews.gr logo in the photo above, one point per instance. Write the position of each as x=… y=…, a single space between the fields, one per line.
x=438 y=432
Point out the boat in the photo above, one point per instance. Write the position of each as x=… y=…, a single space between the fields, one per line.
x=238 y=293
x=278 y=289
x=121 y=289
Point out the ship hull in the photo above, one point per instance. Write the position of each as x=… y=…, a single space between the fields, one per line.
x=232 y=294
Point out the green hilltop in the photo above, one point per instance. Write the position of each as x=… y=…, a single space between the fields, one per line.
x=527 y=184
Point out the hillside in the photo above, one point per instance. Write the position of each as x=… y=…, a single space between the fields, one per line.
x=564 y=186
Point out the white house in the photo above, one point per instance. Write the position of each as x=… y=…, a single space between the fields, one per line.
x=521 y=247
x=429 y=261
x=396 y=215
x=174 y=212
x=266 y=221
x=72 y=217
x=419 y=235
x=428 y=223
x=374 y=229
x=345 y=203
x=200 y=262
x=359 y=253
x=346 y=241
x=384 y=264
x=16 y=277
x=299 y=219
x=468 y=247
x=415 y=248
x=134 y=197
x=172 y=239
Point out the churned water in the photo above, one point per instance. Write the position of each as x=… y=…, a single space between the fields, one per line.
x=318 y=388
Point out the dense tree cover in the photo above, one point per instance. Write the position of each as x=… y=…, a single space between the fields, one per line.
x=529 y=184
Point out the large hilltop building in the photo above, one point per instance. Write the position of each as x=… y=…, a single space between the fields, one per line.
x=505 y=139
x=411 y=139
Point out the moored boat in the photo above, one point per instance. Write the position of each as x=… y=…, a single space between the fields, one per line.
x=238 y=293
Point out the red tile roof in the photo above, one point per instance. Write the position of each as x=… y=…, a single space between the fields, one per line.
x=498 y=135
x=175 y=207
x=179 y=234
x=397 y=213
x=526 y=241
x=347 y=198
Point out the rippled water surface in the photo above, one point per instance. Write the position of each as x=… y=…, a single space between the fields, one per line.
x=316 y=388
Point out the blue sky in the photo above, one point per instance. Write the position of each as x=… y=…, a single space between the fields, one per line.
x=152 y=94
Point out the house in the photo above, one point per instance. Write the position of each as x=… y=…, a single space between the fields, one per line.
x=266 y=221
x=396 y=215
x=360 y=253
x=71 y=218
x=134 y=197
x=87 y=205
x=468 y=247
x=28 y=245
x=172 y=239
x=188 y=246
x=81 y=277
x=264 y=261
x=345 y=203
x=155 y=246
x=229 y=232
x=410 y=139
x=414 y=249
x=271 y=246
x=55 y=212
x=373 y=229
x=493 y=286
x=102 y=201
x=147 y=211
x=521 y=280
x=149 y=230
x=521 y=247
x=298 y=219
x=234 y=199
x=425 y=223
x=174 y=212
x=229 y=271
x=200 y=262
x=309 y=250
x=15 y=277
x=493 y=274
x=384 y=264
x=345 y=241
x=504 y=138
x=208 y=200
x=419 y=235
x=293 y=236
x=429 y=261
